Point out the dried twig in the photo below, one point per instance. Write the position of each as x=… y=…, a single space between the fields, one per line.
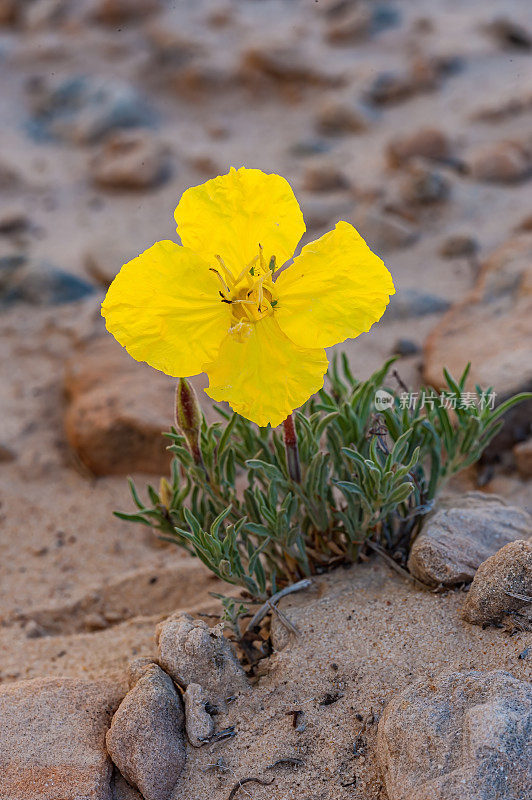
x=242 y=781
x=397 y=567
x=267 y=606
x=523 y=597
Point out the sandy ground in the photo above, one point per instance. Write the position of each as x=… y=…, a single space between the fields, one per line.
x=60 y=546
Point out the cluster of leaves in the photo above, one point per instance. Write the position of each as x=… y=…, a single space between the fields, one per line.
x=365 y=476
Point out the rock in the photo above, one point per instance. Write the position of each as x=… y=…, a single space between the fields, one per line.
x=337 y=118
x=420 y=186
x=52 y=740
x=523 y=458
x=394 y=87
x=353 y=26
x=191 y=652
x=405 y=348
x=324 y=177
x=382 y=231
x=502 y=162
x=130 y=160
x=44 y=14
x=8 y=12
x=323 y=210
x=500 y=582
x=199 y=723
x=104 y=257
x=39 y=284
x=121 y=788
x=13 y=220
x=495 y=320
x=430 y=143
x=309 y=147
x=510 y=34
x=460 y=735
x=283 y=66
x=115 y=426
x=136 y=669
x=412 y=303
x=114 y=12
x=146 y=737
x=461 y=534
x=458 y=245
x=83 y=109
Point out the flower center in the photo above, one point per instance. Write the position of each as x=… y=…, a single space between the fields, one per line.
x=251 y=295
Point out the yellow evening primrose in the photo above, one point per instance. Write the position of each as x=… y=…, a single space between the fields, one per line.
x=215 y=304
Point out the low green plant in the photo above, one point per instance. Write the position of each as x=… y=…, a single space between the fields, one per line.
x=234 y=500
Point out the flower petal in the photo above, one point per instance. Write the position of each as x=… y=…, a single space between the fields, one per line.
x=164 y=307
x=265 y=376
x=232 y=214
x=335 y=290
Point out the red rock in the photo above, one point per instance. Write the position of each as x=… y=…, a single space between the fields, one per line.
x=503 y=162
x=117 y=410
x=492 y=328
x=52 y=743
x=130 y=160
x=431 y=143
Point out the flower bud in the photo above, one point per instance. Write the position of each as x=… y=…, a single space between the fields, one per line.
x=188 y=417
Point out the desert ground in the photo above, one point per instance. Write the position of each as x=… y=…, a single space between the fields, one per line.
x=409 y=119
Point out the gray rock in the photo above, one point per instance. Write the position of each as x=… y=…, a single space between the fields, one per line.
x=130 y=160
x=461 y=736
x=136 y=669
x=500 y=584
x=52 y=739
x=502 y=162
x=336 y=118
x=324 y=177
x=509 y=33
x=200 y=724
x=384 y=232
x=146 y=739
x=413 y=303
x=191 y=652
x=458 y=246
x=405 y=348
x=461 y=534
x=83 y=109
x=421 y=186
x=430 y=143
x=38 y=284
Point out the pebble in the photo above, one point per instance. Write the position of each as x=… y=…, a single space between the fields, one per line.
x=384 y=232
x=324 y=177
x=199 y=723
x=501 y=584
x=430 y=143
x=510 y=34
x=130 y=160
x=337 y=118
x=503 y=162
x=83 y=109
x=415 y=303
x=422 y=186
x=38 y=283
x=459 y=245
x=114 y=12
x=523 y=458
x=405 y=348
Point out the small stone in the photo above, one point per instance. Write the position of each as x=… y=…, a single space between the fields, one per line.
x=430 y=143
x=146 y=738
x=130 y=160
x=6 y=454
x=461 y=735
x=503 y=162
x=405 y=348
x=52 y=738
x=383 y=231
x=422 y=186
x=523 y=458
x=324 y=177
x=191 y=652
x=40 y=284
x=337 y=118
x=13 y=220
x=199 y=723
x=115 y=426
x=43 y=14
x=499 y=583
x=458 y=246
x=410 y=303
x=461 y=534
x=9 y=10
x=114 y=12
x=393 y=87
x=510 y=34
x=353 y=26
x=83 y=109
x=33 y=630
x=136 y=669
x=309 y=147
x=283 y=66
x=324 y=210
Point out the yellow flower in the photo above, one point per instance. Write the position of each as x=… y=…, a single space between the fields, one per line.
x=215 y=305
